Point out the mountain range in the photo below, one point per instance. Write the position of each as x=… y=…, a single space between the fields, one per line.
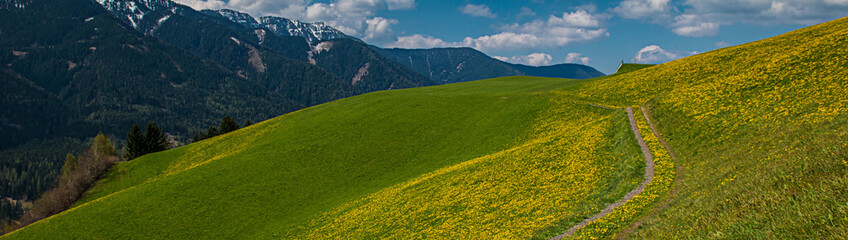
x=73 y=68
x=450 y=65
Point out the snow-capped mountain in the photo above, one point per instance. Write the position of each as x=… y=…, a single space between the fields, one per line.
x=312 y=32
x=19 y=4
x=135 y=12
x=238 y=17
x=141 y=13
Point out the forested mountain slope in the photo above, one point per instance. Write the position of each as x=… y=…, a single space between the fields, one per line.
x=77 y=67
x=450 y=65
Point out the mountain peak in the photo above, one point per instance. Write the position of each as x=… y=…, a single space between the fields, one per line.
x=135 y=11
x=235 y=16
x=313 y=32
x=19 y=4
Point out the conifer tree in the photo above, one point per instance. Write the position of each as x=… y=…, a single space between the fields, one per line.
x=211 y=132
x=228 y=124
x=155 y=139
x=247 y=123
x=136 y=144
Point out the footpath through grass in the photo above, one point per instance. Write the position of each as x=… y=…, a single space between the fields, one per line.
x=761 y=130
x=579 y=159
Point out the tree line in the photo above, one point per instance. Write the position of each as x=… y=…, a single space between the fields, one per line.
x=152 y=140
x=80 y=172
x=228 y=124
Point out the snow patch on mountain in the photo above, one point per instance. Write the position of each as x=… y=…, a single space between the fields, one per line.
x=163 y=19
x=363 y=71
x=261 y=34
x=314 y=33
x=238 y=17
x=318 y=48
x=14 y=4
x=135 y=11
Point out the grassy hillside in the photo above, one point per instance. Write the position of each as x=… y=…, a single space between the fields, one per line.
x=759 y=133
x=629 y=67
x=760 y=130
x=462 y=146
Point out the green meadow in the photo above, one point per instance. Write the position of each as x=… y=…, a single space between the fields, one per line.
x=759 y=134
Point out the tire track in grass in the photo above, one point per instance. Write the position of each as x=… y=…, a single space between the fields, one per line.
x=649 y=175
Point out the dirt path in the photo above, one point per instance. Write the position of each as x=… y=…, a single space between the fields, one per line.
x=678 y=181
x=649 y=175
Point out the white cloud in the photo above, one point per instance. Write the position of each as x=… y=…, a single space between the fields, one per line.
x=698 y=18
x=535 y=59
x=321 y=11
x=420 y=41
x=577 y=26
x=576 y=58
x=722 y=44
x=636 y=9
x=400 y=4
x=579 y=18
x=527 y=12
x=258 y=8
x=353 y=17
x=837 y=2
x=692 y=26
x=557 y=31
x=379 y=29
x=477 y=10
x=656 y=54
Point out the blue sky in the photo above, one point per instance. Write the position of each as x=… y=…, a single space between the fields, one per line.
x=544 y=32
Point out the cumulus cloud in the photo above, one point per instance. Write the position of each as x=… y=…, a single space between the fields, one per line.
x=258 y=8
x=636 y=9
x=477 y=10
x=579 y=18
x=420 y=41
x=353 y=17
x=690 y=25
x=576 y=58
x=535 y=59
x=837 y=2
x=556 y=31
x=656 y=54
x=527 y=12
x=769 y=12
x=379 y=28
x=400 y=4
x=698 y=18
x=722 y=44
